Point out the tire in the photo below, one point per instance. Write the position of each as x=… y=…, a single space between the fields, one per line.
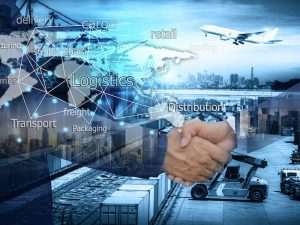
x=256 y=195
x=199 y=192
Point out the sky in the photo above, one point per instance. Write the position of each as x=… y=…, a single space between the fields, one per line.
x=136 y=20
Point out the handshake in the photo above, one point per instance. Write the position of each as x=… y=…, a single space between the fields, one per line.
x=199 y=151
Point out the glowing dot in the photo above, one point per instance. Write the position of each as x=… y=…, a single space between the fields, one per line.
x=99 y=102
x=6 y=104
x=92 y=113
x=122 y=123
x=65 y=129
x=13 y=71
x=28 y=89
x=49 y=73
x=137 y=97
x=54 y=100
x=19 y=140
x=151 y=132
x=35 y=115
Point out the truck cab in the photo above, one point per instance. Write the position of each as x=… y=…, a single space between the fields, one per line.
x=295 y=157
x=287 y=177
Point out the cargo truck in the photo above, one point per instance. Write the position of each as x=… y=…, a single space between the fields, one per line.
x=290 y=182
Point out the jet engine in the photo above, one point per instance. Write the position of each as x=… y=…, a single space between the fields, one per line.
x=224 y=38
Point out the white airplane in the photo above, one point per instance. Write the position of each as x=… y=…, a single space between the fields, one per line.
x=262 y=37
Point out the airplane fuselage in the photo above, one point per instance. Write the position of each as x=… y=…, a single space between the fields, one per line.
x=238 y=36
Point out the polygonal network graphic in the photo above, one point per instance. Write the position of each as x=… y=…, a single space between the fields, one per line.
x=58 y=61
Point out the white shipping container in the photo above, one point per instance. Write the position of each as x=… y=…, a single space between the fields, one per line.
x=147 y=182
x=160 y=189
x=169 y=184
x=149 y=188
x=135 y=194
x=118 y=211
x=164 y=185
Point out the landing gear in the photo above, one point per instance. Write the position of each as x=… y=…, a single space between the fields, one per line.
x=240 y=42
x=235 y=43
x=205 y=34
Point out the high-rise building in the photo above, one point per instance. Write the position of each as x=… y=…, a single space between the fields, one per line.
x=234 y=78
x=52 y=137
x=34 y=144
x=241 y=81
x=262 y=123
x=45 y=138
x=192 y=79
x=24 y=135
x=256 y=81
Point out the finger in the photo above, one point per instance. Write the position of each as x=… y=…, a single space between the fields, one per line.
x=171 y=177
x=220 y=169
x=214 y=151
x=215 y=166
x=209 y=131
x=207 y=173
x=201 y=179
x=187 y=183
x=178 y=180
x=188 y=131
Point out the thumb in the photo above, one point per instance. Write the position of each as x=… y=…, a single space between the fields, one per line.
x=185 y=139
x=188 y=132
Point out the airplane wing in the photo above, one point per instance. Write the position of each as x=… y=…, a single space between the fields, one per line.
x=244 y=36
x=275 y=41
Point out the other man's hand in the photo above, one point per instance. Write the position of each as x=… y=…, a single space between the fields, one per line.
x=219 y=134
x=196 y=162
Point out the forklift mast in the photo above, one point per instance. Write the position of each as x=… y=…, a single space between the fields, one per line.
x=258 y=163
x=254 y=162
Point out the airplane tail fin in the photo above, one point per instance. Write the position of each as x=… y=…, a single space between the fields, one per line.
x=270 y=35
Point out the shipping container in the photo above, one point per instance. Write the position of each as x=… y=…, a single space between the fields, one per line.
x=121 y=211
x=160 y=189
x=169 y=184
x=165 y=185
x=149 y=188
x=135 y=194
x=147 y=182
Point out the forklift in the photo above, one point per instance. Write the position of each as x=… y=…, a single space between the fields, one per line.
x=233 y=185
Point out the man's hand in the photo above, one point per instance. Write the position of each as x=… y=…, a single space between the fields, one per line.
x=196 y=162
x=219 y=134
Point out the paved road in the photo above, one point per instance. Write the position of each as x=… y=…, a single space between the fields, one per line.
x=278 y=209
